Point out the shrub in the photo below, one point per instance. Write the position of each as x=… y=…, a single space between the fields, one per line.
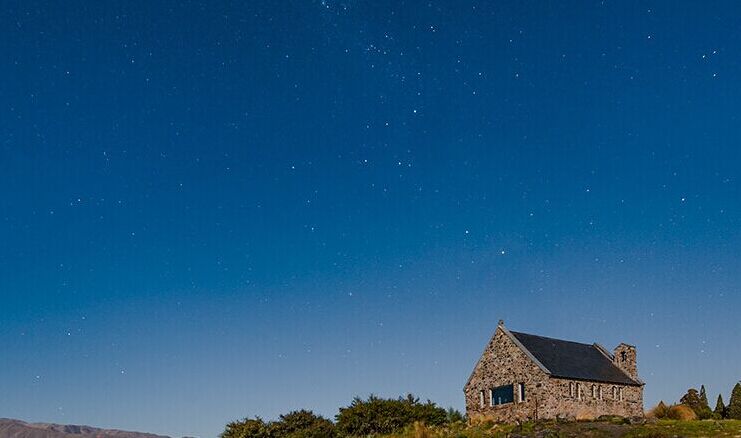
x=681 y=413
x=297 y=424
x=697 y=402
x=385 y=416
x=454 y=416
x=659 y=411
x=301 y=424
x=247 y=428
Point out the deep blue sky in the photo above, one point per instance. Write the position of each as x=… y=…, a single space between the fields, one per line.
x=215 y=210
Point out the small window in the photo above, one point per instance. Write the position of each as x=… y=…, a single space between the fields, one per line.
x=502 y=395
x=571 y=389
x=614 y=392
x=623 y=356
x=578 y=391
x=522 y=392
x=481 y=398
x=620 y=394
x=599 y=392
x=594 y=391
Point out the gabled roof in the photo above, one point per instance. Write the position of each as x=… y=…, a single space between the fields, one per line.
x=573 y=360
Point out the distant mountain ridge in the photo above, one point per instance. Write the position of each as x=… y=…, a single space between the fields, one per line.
x=10 y=428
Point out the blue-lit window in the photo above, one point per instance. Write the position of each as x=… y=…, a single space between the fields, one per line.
x=502 y=394
x=522 y=392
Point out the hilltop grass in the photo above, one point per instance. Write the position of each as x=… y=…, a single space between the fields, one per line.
x=593 y=429
x=695 y=428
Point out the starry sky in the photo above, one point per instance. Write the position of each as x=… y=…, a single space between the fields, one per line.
x=212 y=210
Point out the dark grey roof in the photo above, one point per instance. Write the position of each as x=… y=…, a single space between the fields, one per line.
x=573 y=360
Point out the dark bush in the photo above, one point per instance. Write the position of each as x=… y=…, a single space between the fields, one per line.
x=301 y=424
x=383 y=416
x=247 y=428
x=454 y=416
x=297 y=424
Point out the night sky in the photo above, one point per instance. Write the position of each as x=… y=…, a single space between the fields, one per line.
x=217 y=210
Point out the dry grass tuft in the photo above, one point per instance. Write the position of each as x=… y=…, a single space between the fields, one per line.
x=421 y=431
x=675 y=412
x=659 y=411
x=681 y=413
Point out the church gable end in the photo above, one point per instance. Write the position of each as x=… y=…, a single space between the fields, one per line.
x=504 y=378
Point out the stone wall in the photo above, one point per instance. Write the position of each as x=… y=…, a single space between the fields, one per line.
x=561 y=400
x=504 y=363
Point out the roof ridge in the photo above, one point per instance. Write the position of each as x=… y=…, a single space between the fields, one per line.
x=603 y=350
x=551 y=338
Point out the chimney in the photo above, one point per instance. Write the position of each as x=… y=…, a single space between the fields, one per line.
x=625 y=359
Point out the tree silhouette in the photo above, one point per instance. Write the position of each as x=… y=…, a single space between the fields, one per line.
x=693 y=400
x=704 y=396
x=720 y=408
x=734 y=405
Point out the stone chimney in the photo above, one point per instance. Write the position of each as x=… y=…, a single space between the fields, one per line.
x=625 y=359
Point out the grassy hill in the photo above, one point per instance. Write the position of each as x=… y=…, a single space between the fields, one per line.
x=593 y=429
x=19 y=429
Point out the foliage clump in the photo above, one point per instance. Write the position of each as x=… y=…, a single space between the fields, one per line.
x=698 y=402
x=659 y=411
x=296 y=424
x=455 y=416
x=247 y=428
x=376 y=416
x=302 y=424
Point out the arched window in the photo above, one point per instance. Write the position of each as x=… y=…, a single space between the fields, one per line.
x=599 y=392
x=571 y=389
x=578 y=391
x=481 y=398
x=594 y=391
x=614 y=392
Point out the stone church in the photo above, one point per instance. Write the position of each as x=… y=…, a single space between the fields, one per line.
x=528 y=377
